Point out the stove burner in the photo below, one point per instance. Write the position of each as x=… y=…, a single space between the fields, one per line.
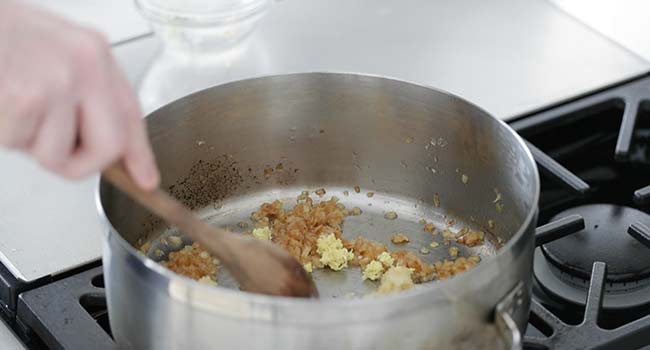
x=563 y=267
x=588 y=334
x=604 y=239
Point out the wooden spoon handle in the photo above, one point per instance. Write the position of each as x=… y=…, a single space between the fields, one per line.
x=172 y=211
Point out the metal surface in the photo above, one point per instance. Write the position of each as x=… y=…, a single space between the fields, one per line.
x=504 y=317
x=603 y=239
x=508 y=56
x=558 y=229
x=588 y=334
x=48 y=225
x=623 y=22
x=640 y=232
x=554 y=169
x=338 y=131
x=64 y=314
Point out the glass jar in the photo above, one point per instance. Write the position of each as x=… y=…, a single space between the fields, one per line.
x=201 y=41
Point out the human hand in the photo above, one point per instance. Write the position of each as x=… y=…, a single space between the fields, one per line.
x=63 y=99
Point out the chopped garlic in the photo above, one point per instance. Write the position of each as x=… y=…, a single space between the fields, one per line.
x=308 y=267
x=332 y=252
x=391 y=215
x=400 y=238
x=175 y=241
x=373 y=271
x=453 y=252
x=446 y=234
x=396 y=279
x=498 y=198
x=263 y=233
x=207 y=280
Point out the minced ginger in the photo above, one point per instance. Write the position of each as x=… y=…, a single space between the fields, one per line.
x=386 y=259
x=332 y=252
x=373 y=271
x=312 y=233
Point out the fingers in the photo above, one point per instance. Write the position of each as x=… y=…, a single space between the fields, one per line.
x=63 y=100
x=138 y=156
x=54 y=142
x=101 y=133
x=20 y=117
x=111 y=129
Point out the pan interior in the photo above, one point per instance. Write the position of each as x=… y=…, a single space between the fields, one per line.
x=234 y=215
x=424 y=153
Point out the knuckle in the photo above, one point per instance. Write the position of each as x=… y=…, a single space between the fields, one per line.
x=63 y=80
x=17 y=123
x=90 y=48
x=107 y=149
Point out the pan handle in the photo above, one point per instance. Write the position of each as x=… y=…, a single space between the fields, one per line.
x=506 y=325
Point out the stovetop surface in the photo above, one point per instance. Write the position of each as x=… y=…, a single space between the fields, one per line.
x=592 y=265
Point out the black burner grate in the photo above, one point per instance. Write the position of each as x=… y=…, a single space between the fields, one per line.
x=602 y=140
x=68 y=314
x=588 y=334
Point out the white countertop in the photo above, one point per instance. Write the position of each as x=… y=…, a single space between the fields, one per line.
x=117 y=19
x=624 y=22
x=509 y=56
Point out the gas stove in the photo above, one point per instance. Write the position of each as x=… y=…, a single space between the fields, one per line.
x=591 y=286
x=592 y=266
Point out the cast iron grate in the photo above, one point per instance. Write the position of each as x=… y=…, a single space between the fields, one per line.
x=593 y=176
x=588 y=334
x=68 y=314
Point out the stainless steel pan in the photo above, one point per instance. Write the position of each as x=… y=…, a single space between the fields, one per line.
x=227 y=149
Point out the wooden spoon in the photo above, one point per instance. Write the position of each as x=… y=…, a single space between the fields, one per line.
x=257 y=265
